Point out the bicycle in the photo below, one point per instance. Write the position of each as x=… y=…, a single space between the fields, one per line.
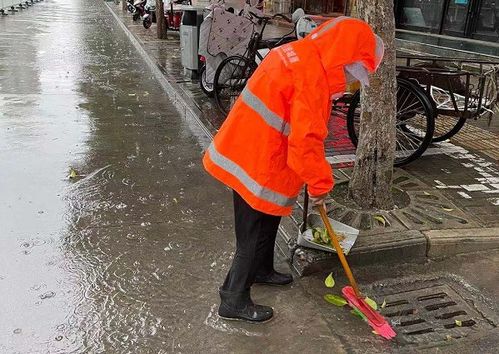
x=234 y=71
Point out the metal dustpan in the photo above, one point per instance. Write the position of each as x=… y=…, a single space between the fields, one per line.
x=347 y=234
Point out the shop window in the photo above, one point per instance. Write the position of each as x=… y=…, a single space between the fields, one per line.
x=456 y=17
x=487 y=25
x=420 y=14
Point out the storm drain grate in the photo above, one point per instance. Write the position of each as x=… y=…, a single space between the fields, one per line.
x=432 y=314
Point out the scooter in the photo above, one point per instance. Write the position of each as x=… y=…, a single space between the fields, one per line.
x=145 y=10
x=150 y=13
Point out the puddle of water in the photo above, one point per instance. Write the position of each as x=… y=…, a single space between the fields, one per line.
x=214 y=321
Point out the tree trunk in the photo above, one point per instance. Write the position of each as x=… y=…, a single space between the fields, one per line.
x=123 y=5
x=371 y=183
x=161 y=25
x=351 y=8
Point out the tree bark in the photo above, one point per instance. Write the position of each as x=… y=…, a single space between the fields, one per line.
x=371 y=183
x=351 y=8
x=161 y=25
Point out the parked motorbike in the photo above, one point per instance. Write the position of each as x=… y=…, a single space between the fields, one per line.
x=143 y=9
x=131 y=8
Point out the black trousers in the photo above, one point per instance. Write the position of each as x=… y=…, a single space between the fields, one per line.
x=255 y=240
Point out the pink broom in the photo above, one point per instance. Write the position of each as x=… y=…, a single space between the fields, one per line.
x=351 y=293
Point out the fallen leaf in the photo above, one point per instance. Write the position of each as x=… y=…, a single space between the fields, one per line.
x=383 y=305
x=335 y=300
x=371 y=303
x=426 y=193
x=329 y=281
x=358 y=314
x=131 y=94
x=448 y=209
x=175 y=200
x=459 y=323
x=448 y=337
x=381 y=219
x=73 y=173
x=376 y=333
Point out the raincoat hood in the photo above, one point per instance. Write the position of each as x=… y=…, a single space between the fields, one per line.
x=348 y=49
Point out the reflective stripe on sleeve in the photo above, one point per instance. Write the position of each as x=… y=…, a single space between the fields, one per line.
x=253 y=186
x=271 y=118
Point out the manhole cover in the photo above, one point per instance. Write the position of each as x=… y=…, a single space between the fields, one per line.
x=433 y=314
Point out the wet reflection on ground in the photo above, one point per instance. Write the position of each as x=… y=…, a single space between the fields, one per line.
x=97 y=262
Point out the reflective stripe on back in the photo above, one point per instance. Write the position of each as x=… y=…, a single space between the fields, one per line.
x=253 y=186
x=271 y=118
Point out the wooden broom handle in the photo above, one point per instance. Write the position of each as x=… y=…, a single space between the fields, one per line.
x=339 y=250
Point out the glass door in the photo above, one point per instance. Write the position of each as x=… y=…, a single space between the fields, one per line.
x=456 y=18
x=485 y=24
x=419 y=15
x=477 y=19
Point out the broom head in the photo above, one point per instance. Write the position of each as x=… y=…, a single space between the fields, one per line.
x=378 y=323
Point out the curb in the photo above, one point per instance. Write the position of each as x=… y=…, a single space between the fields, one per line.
x=444 y=243
x=393 y=247
x=184 y=105
x=404 y=246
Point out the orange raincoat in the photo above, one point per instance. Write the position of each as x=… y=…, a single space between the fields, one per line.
x=272 y=141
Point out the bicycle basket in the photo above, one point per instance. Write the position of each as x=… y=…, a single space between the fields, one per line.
x=229 y=33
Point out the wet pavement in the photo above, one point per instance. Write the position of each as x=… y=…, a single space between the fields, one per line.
x=127 y=256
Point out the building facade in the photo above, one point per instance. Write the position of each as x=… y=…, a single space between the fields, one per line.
x=475 y=19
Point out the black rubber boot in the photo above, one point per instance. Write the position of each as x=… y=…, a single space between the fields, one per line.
x=274 y=278
x=239 y=306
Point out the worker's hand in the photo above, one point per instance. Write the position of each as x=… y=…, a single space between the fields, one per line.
x=318 y=200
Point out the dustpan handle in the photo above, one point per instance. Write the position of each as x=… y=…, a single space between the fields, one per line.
x=339 y=250
x=305 y=210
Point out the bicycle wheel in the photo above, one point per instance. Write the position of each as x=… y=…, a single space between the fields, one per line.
x=414 y=126
x=230 y=79
x=207 y=87
x=446 y=125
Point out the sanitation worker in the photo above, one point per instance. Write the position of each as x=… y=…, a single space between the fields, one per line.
x=272 y=143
